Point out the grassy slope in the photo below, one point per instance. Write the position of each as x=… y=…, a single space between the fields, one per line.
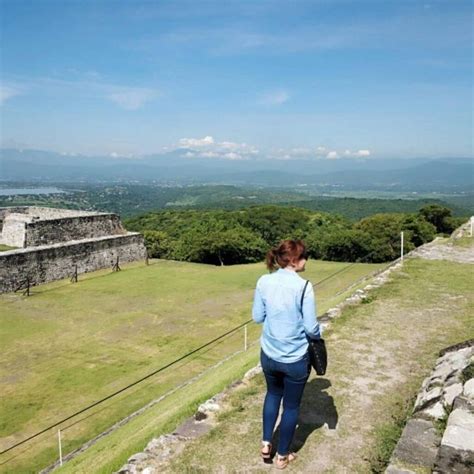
x=70 y=344
x=379 y=354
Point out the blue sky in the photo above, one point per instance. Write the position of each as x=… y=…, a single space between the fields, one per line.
x=238 y=79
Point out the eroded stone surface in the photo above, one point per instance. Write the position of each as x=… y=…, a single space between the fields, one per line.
x=459 y=433
x=451 y=392
x=469 y=389
x=418 y=444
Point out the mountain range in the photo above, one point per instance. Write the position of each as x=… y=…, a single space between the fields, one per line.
x=450 y=174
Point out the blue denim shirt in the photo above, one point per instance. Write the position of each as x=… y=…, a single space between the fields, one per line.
x=277 y=305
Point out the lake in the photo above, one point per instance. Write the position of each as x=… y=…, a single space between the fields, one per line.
x=17 y=191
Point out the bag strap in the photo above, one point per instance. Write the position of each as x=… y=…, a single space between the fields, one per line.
x=302 y=296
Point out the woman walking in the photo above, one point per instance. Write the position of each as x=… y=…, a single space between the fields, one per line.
x=285 y=304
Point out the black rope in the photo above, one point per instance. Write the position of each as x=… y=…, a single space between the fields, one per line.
x=124 y=388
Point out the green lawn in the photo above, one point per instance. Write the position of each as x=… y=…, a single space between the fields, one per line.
x=4 y=248
x=70 y=344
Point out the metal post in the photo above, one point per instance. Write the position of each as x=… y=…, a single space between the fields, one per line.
x=470 y=231
x=245 y=338
x=401 y=249
x=60 y=449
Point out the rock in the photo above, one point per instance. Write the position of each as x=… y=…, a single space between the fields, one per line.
x=209 y=406
x=149 y=470
x=435 y=412
x=137 y=458
x=333 y=313
x=443 y=371
x=434 y=382
x=459 y=432
x=463 y=402
x=418 y=444
x=153 y=445
x=128 y=469
x=191 y=429
x=452 y=460
x=451 y=392
x=162 y=444
x=396 y=470
x=469 y=389
x=426 y=398
x=200 y=416
x=253 y=372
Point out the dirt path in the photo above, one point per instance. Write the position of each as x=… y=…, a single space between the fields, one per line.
x=379 y=353
x=445 y=251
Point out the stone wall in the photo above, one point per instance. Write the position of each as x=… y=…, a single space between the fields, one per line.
x=35 y=226
x=9 y=210
x=54 y=262
x=64 y=229
x=14 y=231
x=443 y=396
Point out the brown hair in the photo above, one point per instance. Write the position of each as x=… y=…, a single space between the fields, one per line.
x=287 y=253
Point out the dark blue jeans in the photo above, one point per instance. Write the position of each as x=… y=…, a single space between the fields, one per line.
x=287 y=382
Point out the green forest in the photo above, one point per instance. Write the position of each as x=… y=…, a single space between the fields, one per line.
x=130 y=200
x=228 y=237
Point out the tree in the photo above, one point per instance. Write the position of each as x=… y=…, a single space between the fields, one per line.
x=157 y=243
x=418 y=230
x=439 y=216
x=384 y=231
x=346 y=245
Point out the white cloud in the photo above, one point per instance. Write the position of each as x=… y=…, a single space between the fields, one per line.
x=357 y=154
x=276 y=97
x=7 y=92
x=332 y=155
x=196 y=142
x=233 y=156
x=209 y=154
x=207 y=147
x=130 y=98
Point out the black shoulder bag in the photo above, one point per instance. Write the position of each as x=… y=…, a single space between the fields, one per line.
x=318 y=355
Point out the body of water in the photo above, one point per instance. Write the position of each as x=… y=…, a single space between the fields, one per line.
x=19 y=191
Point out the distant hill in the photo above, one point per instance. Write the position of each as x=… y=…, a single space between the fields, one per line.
x=442 y=175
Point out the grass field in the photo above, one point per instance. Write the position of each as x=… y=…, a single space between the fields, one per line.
x=4 y=248
x=68 y=345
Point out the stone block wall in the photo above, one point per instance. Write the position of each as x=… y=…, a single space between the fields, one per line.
x=54 y=262
x=64 y=229
x=34 y=226
x=13 y=231
x=10 y=210
x=443 y=395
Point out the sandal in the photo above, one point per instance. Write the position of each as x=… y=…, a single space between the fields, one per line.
x=266 y=450
x=283 y=461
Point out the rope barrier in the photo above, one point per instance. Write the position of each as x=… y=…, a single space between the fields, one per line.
x=108 y=397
